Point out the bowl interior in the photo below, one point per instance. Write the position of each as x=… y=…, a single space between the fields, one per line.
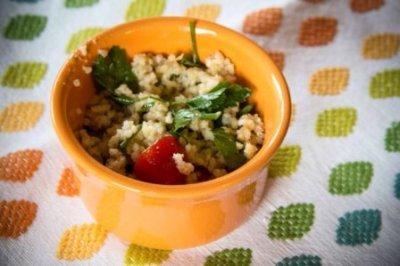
x=171 y=35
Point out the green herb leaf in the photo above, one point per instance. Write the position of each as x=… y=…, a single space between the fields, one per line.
x=222 y=85
x=220 y=97
x=123 y=100
x=113 y=70
x=226 y=145
x=187 y=61
x=154 y=98
x=210 y=116
x=192 y=26
x=146 y=107
x=247 y=109
x=236 y=94
x=183 y=117
x=194 y=59
x=210 y=102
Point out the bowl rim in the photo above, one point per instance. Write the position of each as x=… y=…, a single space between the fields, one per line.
x=202 y=189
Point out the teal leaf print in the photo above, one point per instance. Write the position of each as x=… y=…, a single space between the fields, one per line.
x=385 y=84
x=137 y=255
x=230 y=257
x=302 y=260
x=350 y=178
x=26 y=1
x=25 y=27
x=80 y=3
x=397 y=186
x=23 y=75
x=358 y=227
x=144 y=8
x=291 y=222
x=392 y=139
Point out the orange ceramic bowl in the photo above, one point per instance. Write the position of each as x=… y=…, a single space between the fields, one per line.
x=165 y=216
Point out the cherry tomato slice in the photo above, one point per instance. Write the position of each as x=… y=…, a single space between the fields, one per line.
x=156 y=165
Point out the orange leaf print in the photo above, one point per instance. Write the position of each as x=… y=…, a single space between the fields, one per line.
x=362 y=6
x=278 y=58
x=20 y=116
x=20 y=166
x=15 y=217
x=317 y=31
x=263 y=22
x=314 y=1
x=329 y=81
x=381 y=46
x=81 y=242
x=68 y=185
x=204 y=11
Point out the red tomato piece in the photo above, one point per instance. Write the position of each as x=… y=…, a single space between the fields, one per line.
x=156 y=165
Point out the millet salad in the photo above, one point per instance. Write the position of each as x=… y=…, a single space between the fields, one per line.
x=169 y=119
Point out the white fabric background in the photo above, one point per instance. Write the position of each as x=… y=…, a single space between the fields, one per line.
x=310 y=182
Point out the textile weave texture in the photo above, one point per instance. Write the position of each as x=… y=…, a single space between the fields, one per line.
x=333 y=192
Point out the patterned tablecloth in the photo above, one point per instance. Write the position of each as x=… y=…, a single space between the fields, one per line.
x=333 y=195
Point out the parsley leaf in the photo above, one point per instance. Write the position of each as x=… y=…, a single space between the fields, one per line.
x=126 y=100
x=226 y=145
x=247 y=109
x=147 y=106
x=194 y=60
x=183 y=117
x=113 y=70
x=210 y=102
x=210 y=116
x=187 y=61
x=123 y=99
x=236 y=94
x=220 y=97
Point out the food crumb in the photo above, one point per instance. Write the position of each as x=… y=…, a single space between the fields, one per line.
x=78 y=111
x=87 y=69
x=83 y=50
x=77 y=83
x=103 y=53
x=184 y=168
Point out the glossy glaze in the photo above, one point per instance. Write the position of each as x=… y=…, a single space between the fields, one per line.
x=170 y=217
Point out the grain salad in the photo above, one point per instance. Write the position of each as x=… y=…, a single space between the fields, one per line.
x=169 y=119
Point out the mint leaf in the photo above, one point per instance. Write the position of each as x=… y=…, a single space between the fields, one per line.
x=226 y=145
x=113 y=70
